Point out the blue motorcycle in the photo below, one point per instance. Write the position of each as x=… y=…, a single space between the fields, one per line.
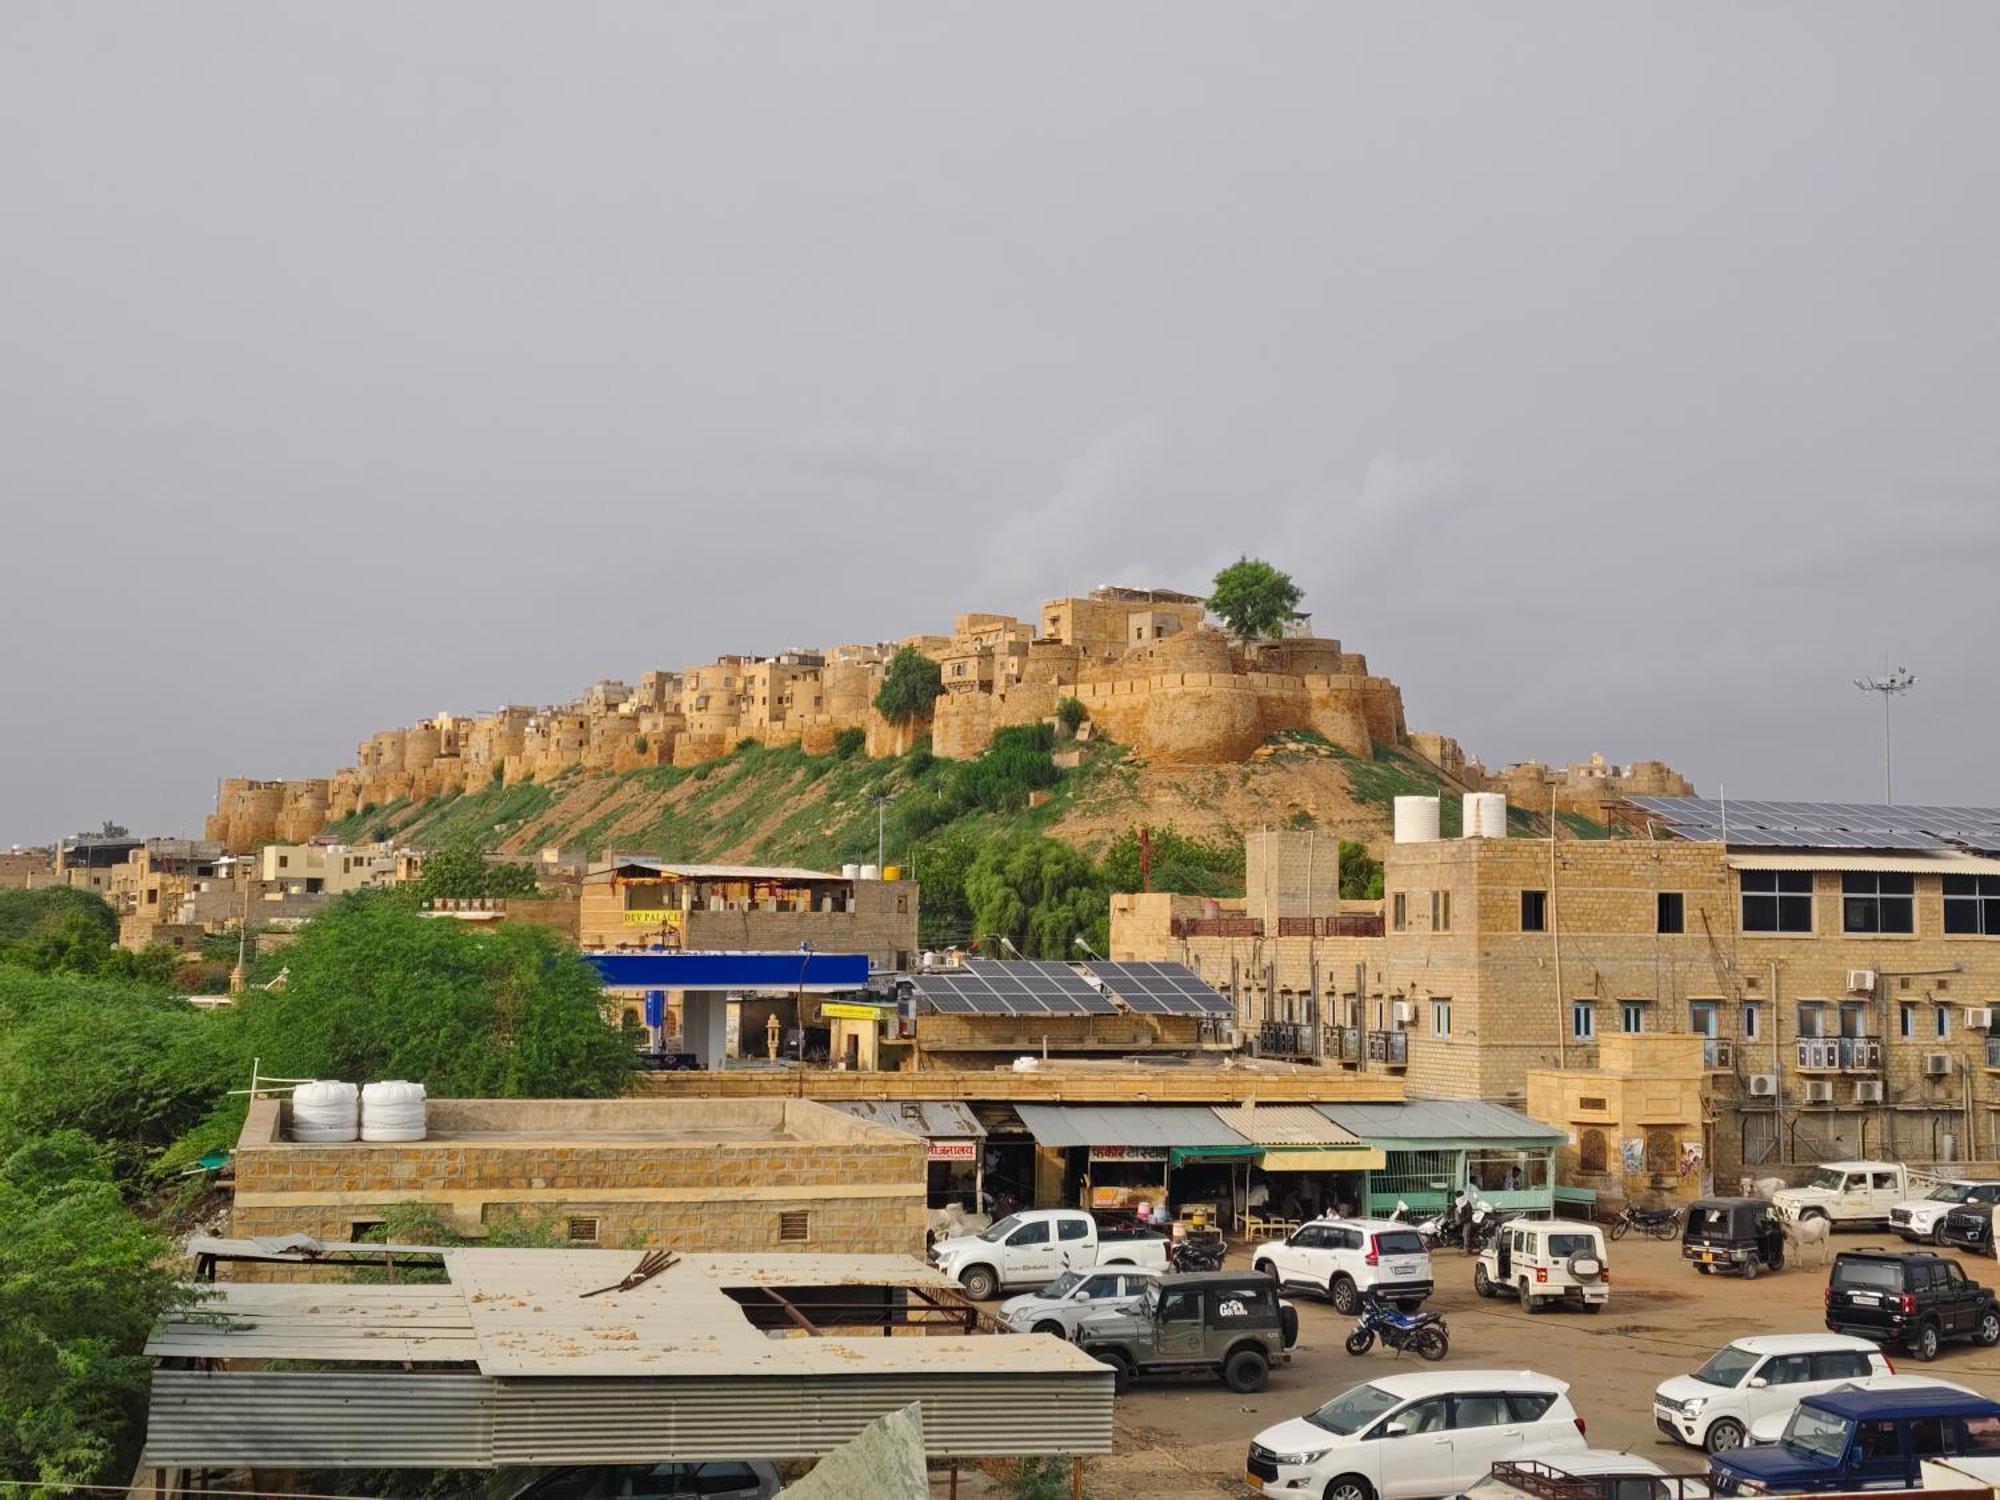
x=1423 y=1334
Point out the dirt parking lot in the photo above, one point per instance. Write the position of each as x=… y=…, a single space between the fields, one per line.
x=1664 y=1319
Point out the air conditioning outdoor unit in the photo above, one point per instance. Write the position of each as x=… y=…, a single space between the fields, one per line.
x=1404 y=1012
x=1980 y=1016
x=1819 y=1091
x=1868 y=1091
x=1763 y=1085
x=1937 y=1064
x=1860 y=981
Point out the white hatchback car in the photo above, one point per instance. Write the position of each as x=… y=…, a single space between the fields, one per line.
x=1746 y=1381
x=1058 y=1307
x=1414 y=1437
x=1342 y=1258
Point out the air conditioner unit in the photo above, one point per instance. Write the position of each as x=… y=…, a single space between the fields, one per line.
x=1404 y=1012
x=1980 y=1016
x=1937 y=1064
x=1860 y=981
x=1819 y=1091
x=1868 y=1091
x=1763 y=1085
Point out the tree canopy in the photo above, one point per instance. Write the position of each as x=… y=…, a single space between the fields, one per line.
x=910 y=687
x=1253 y=599
x=1039 y=894
x=462 y=872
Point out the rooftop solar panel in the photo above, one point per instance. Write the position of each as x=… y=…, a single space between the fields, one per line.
x=1824 y=825
x=1162 y=989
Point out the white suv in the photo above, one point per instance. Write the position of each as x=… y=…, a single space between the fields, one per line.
x=1058 y=1307
x=1919 y=1219
x=1750 y=1379
x=1345 y=1257
x=1413 y=1437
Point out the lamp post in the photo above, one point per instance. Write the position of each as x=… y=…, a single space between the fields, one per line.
x=1088 y=949
x=1890 y=686
x=881 y=801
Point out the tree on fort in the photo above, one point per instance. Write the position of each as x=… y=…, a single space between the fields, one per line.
x=1254 y=599
x=909 y=687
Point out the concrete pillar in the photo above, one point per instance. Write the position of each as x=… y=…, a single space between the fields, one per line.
x=704 y=1026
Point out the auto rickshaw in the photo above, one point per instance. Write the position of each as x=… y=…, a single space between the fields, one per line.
x=1733 y=1234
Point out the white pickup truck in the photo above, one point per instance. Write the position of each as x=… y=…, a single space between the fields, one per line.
x=1035 y=1246
x=1849 y=1192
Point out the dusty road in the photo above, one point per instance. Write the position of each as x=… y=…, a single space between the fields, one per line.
x=1664 y=1319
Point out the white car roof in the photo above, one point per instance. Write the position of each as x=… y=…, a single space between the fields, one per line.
x=1352 y=1222
x=1569 y=1225
x=1800 y=1343
x=1595 y=1461
x=1423 y=1383
x=1849 y=1166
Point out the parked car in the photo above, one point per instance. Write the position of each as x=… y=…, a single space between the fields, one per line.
x=1587 y=1474
x=1546 y=1261
x=1418 y=1435
x=1770 y=1428
x=1033 y=1247
x=1716 y=1406
x=1922 y=1218
x=1968 y=1226
x=1342 y=1258
x=1847 y=1192
x=1064 y=1303
x=1860 y=1440
x=716 y=1479
x=1222 y=1323
x=1733 y=1234
x=1915 y=1299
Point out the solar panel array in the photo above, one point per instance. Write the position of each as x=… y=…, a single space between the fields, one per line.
x=1025 y=987
x=1162 y=989
x=1826 y=825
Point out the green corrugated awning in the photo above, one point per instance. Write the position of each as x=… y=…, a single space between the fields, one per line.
x=1181 y=1155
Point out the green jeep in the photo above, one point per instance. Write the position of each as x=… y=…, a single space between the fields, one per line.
x=1223 y=1323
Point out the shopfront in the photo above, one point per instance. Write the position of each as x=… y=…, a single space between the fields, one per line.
x=1434 y=1147
x=954 y=1144
x=1308 y=1165
x=1116 y=1158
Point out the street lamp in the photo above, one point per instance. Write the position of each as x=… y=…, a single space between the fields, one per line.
x=1891 y=686
x=881 y=801
x=1088 y=949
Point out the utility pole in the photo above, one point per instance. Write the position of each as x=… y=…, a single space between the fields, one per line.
x=1890 y=686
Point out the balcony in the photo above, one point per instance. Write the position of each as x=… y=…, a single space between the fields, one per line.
x=1389 y=1048
x=1840 y=1054
x=1718 y=1055
x=1345 y=924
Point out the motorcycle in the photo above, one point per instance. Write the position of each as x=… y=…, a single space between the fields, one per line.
x=1423 y=1334
x=1197 y=1253
x=1481 y=1225
x=1660 y=1223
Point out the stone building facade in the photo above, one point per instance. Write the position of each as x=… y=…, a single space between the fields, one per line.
x=736 y=1175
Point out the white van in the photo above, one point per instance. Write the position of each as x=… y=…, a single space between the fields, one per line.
x=1414 y=1437
x=1744 y=1382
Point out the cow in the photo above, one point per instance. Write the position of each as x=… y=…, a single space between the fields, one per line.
x=1814 y=1233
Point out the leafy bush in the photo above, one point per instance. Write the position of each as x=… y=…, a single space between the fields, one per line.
x=1360 y=873
x=1191 y=867
x=850 y=743
x=1071 y=713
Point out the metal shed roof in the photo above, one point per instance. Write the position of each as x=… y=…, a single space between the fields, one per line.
x=1126 y=1125
x=1953 y=863
x=934 y=1119
x=1469 y=1122
x=716 y=872
x=1280 y=1125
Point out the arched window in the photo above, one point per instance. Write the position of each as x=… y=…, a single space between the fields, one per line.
x=1663 y=1151
x=1590 y=1151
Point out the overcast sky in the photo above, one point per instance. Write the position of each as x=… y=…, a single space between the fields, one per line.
x=1616 y=378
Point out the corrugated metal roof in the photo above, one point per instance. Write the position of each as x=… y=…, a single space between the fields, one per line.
x=1281 y=1125
x=1126 y=1125
x=1471 y=1121
x=1897 y=864
x=934 y=1119
x=287 y=1320
x=723 y=872
x=319 y=1420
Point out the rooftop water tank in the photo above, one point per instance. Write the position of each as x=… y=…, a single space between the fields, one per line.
x=850 y=872
x=324 y=1113
x=1484 y=816
x=1416 y=820
x=393 y=1111
x=870 y=872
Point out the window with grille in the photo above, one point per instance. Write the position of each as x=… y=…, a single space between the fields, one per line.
x=582 y=1231
x=794 y=1227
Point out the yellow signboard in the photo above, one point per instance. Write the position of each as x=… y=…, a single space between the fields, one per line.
x=851 y=1012
x=663 y=917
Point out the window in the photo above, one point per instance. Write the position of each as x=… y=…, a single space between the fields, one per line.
x=1632 y=1016
x=1788 y=1369
x=1072 y=1229
x=359 y=1230
x=1433 y=1415
x=1906 y=1020
x=1753 y=1021
x=1036 y=1233
x=1777 y=900
x=1441 y=1017
x=1481 y=1411
x=1590 y=1151
x=582 y=1231
x=794 y=1226
x=1583 y=1020
x=1401 y=912
x=1529 y=1405
x=1854 y=1018
x=1841 y=1364
x=1440 y=911
x=1812 y=1018
x=1871 y=902
x=284 y=861
x=1180 y=1307
x=1670 y=912
x=1972 y=905
x=1943 y=1022
x=1534 y=911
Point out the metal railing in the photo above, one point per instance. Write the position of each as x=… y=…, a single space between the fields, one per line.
x=1718 y=1054
x=1343 y=924
x=1840 y=1054
x=1217 y=927
x=1391 y=1048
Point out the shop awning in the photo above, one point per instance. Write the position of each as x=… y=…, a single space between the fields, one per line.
x=1298 y=1138
x=1180 y=1128
x=1443 y=1125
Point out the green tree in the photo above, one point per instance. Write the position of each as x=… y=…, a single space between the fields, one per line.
x=1360 y=873
x=462 y=871
x=849 y=743
x=1070 y=713
x=940 y=865
x=910 y=687
x=1038 y=893
x=1191 y=867
x=82 y=1281
x=1253 y=599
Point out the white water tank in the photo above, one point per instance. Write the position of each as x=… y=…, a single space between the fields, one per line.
x=850 y=872
x=1416 y=820
x=325 y=1113
x=393 y=1111
x=1483 y=815
x=871 y=872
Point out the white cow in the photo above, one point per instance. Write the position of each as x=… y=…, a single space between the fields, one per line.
x=1814 y=1233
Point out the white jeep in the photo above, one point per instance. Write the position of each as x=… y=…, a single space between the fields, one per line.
x=1848 y=1192
x=1546 y=1261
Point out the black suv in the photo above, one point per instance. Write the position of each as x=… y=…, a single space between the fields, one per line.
x=1913 y=1298
x=1968 y=1226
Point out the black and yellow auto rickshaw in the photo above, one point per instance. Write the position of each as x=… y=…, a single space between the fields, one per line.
x=1733 y=1234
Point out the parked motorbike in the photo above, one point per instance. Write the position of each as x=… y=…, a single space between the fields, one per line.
x=1481 y=1225
x=1423 y=1334
x=1197 y=1253
x=1660 y=1223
